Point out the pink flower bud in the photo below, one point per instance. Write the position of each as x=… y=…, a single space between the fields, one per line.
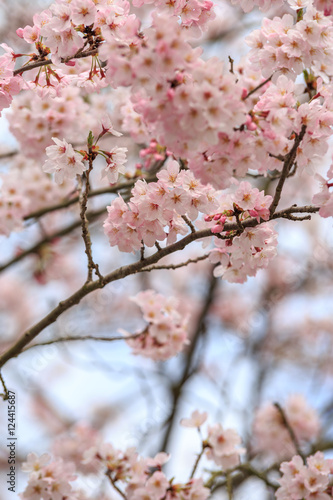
x=217 y=229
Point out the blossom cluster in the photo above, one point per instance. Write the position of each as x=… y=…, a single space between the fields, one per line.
x=192 y=13
x=166 y=333
x=288 y=47
x=48 y=479
x=183 y=100
x=242 y=255
x=156 y=205
x=63 y=161
x=264 y=5
x=35 y=120
x=302 y=481
x=143 y=477
x=271 y=434
x=26 y=189
x=269 y=132
x=221 y=444
x=223 y=447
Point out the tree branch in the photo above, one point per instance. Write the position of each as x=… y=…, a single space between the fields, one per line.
x=73 y=339
x=176 y=266
x=84 y=221
x=288 y=163
x=47 y=62
x=177 y=389
x=125 y=271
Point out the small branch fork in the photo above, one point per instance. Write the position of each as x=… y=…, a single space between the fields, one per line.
x=130 y=269
x=83 y=198
x=288 y=163
x=47 y=62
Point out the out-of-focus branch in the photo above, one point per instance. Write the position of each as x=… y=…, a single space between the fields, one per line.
x=290 y=430
x=177 y=388
x=48 y=239
x=68 y=202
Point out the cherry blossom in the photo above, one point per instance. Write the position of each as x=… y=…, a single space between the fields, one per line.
x=166 y=333
x=271 y=434
x=223 y=446
x=116 y=158
x=310 y=480
x=63 y=161
x=196 y=419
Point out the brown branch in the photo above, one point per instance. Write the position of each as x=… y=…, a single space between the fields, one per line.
x=113 y=482
x=189 y=223
x=176 y=266
x=196 y=463
x=177 y=389
x=259 y=474
x=238 y=475
x=92 y=266
x=9 y=154
x=257 y=87
x=47 y=62
x=123 y=272
x=97 y=213
x=289 y=161
x=88 y=337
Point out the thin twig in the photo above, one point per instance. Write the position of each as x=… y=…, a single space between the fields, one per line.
x=176 y=266
x=92 y=266
x=257 y=87
x=113 y=482
x=74 y=339
x=196 y=463
x=231 y=61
